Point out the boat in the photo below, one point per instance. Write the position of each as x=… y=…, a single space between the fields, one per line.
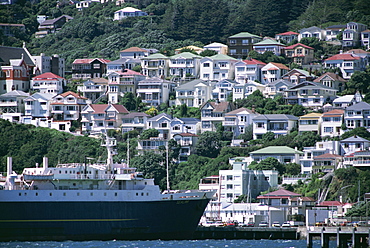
x=98 y=201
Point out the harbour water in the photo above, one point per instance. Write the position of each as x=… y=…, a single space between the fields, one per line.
x=166 y=244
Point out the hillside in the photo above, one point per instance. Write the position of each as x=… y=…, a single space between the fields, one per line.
x=170 y=24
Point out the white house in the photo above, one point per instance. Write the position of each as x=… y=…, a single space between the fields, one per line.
x=331 y=123
x=134 y=121
x=49 y=83
x=279 y=124
x=348 y=63
x=155 y=65
x=187 y=142
x=128 y=12
x=238 y=120
x=222 y=90
x=213 y=113
x=269 y=45
x=244 y=89
x=217 y=67
x=37 y=109
x=184 y=65
x=12 y=105
x=313 y=31
x=194 y=93
x=357 y=115
x=218 y=47
x=154 y=91
x=249 y=69
x=273 y=71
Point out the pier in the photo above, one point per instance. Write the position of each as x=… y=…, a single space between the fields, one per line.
x=356 y=237
x=231 y=232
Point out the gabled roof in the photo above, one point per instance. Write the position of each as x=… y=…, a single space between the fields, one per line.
x=281 y=193
x=14 y=93
x=8 y=53
x=190 y=85
x=218 y=107
x=327 y=156
x=222 y=57
x=215 y=44
x=239 y=110
x=244 y=35
x=38 y=95
x=250 y=61
x=283 y=81
x=269 y=42
x=296 y=45
x=288 y=33
x=276 y=117
x=46 y=75
x=333 y=113
x=300 y=71
x=186 y=55
x=279 y=65
x=354 y=139
x=311 y=115
x=186 y=135
x=359 y=106
x=344 y=56
x=330 y=204
x=65 y=94
x=133 y=49
x=309 y=84
x=156 y=56
x=277 y=150
x=357 y=51
x=333 y=76
x=102 y=108
x=346 y=98
x=127 y=72
x=89 y=61
x=162 y=115
x=303 y=198
x=128 y=9
x=189 y=120
x=52 y=21
x=310 y=29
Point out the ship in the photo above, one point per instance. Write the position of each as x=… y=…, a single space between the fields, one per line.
x=94 y=201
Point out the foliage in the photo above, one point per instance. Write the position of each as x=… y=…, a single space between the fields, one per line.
x=208 y=145
x=292 y=169
x=208 y=53
x=268 y=164
x=148 y=133
x=358 y=131
x=152 y=111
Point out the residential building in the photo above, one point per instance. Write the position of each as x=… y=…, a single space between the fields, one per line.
x=217 y=67
x=53 y=64
x=162 y=123
x=244 y=89
x=365 y=39
x=93 y=89
x=83 y=4
x=347 y=64
x=333 y=31
x=310 y=123
x=327 y=163
x=154 y=144
x=51 y=26
x=297 y=76
x=277 y=87
x=279 y=124
x=352 y=34
x=310 y=95
x=213 y=113
x=222 y=90
x=273 y=71
x=311 y=32
x=134 y=121
x=353 y=144
x=121 y=82
x=359 y=159
x=129 y=59
x=287 y=37
x=184 y=125
x=249 y=69
x=194 y=93
x=38 y=109
x=155 y=65
x=128 y=12
x=283 y=154
x=98 y=118
x=332 y=80
x=269 y=45
x=89 y=68
x=48 y=83
x=241 y=44
x=184 y=65
x=345 y=101
x=331 y=123
x=238 y=120
x=196 y=49
x=12 y=105
x=218 y=47
x=154 y=91
x=66 y=107
x=365 y=56
x=187 y=142
x=320 y=148
x=299 y=54
x=357 y=115
x=9 y=29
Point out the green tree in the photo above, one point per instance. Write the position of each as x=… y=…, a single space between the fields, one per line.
x=148 y=133
x=208 y=53
x=268 y=164
x=208 y=145
x=292 y=169
x=358 y=131
x=298 y=110
x=129 y=101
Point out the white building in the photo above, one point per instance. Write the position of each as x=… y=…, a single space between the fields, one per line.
x=194 y=93
x=128 y=12
x=249 y=69
x=49 y=83
x=217 y=67
x=218 y=47
x=154 y=91
x=53 y=64
x=37 y=109
x=184 y=65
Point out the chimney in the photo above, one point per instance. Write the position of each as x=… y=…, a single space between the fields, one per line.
x=45 y=163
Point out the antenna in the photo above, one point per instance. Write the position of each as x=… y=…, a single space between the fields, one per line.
x=167 y=171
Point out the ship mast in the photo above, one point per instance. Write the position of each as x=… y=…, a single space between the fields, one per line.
x=109 y=143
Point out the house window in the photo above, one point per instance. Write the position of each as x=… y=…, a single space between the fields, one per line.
x=328 y=129
x=206 y=65
x=164 y=124
x=229 y=177
x=96 y=66
x=229 y=186
x=70 y=107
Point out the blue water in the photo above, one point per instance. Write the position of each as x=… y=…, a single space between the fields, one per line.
x=166 y=244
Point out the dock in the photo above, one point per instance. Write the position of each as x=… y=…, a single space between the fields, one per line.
x=231 y=232
x=356 y=237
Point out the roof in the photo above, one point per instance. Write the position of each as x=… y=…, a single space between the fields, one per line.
x=298 y=44
x=38 y=95
x=338 y=26
x=346 y=98
x=65 y=94
x=14 y=93
x=354 y=139
x=333 y=113
x=190 y=85
x=186 y=134
x=303 y=198
x=327 y=156
x=157 y=117
x=244 y=35
x=344 y=56
x=8 y=53
x=281 y=193
x=300 y=71
x=46 y=75
x=279 y=65
x=215 y=44
x=127 y=72
x=134 y=49
x=128 y=9
x=359 y=106
x=186 y=55
x=156 y=56
x=276 y=150
x=288 y=33
x=195 y=48
x=357 y=51
x=276 y=117
x=190 y=120
x=101 y=108
x=330 y=203
x=332 y=75
x=88 y=61
x=222 y=57
x=236 y=111
x=250 y=61
x=52 y=21
x=311 y=115
x=312 y=85
x=268 y=42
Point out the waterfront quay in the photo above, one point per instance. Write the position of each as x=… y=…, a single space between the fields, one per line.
x=356 y=237
x=232 y=232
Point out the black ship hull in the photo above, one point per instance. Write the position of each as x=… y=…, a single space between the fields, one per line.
x=41 y=221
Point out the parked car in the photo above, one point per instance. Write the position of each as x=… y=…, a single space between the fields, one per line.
x=276 y=224
x=250 y=224
x=286 y=224
x=263 y=224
